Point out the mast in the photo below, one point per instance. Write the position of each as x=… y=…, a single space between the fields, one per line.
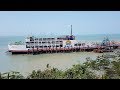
x=71 y=30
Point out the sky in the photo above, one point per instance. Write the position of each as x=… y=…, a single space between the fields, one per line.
x=18 y=23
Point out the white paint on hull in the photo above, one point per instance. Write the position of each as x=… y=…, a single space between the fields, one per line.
x=17 y=47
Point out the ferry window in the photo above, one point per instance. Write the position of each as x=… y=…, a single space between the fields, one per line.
x=83 y=44
x=79 y=44
x=40 y=39
x=27 y=46
x=36 y=46
x=75 y=44
x=44 y=38
x=45 y=46
x=31 y=39
x=57 y=46
x=41 y=46
x=43 y=42
x=61 y=45
x=53 y=42
x=36 y=38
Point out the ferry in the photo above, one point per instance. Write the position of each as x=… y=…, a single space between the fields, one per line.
x=66 y=43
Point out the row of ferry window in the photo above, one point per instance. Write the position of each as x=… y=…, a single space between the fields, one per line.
x=82 y=44
x=47 y=42
x=44 y=38
x=32 y=39
x=40 y=39
x=43 y=46
x=48 y=38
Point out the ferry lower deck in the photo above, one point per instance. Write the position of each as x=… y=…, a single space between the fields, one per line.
x=60 y=50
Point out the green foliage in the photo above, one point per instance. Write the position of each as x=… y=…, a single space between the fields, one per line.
x=117 y=53
x=90 y=63
x=46 y=74
x=78 y=72
x=103 y=62
x=114 y=71
x=11 y=75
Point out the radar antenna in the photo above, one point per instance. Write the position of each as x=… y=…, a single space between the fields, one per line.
x=71 y=30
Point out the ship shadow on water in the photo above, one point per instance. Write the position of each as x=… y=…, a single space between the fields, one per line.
x=15 y=54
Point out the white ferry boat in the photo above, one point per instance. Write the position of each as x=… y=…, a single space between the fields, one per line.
x=36 y=44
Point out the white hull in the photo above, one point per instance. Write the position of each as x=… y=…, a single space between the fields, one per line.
x=17 y=48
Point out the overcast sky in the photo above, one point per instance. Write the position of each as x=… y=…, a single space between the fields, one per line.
x=58 y=22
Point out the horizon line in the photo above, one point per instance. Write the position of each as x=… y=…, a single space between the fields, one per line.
x=62 y=34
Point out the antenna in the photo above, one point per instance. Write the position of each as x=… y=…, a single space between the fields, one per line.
x=71 y=30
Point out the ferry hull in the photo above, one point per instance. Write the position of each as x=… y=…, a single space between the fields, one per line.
x=17 y=49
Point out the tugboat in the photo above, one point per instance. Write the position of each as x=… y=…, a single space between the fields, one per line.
x=106 y=46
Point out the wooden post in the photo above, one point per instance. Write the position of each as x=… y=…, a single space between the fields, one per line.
x=46 y=49
x=37 y=50
x=28 y=51
x=56 y=49
x=33 y=51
